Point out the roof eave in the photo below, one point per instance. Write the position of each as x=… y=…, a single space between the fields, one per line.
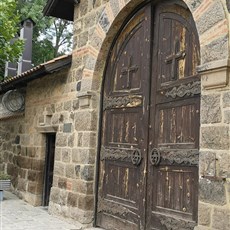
x=40 y=72
x=22 y=81
x=63 y=9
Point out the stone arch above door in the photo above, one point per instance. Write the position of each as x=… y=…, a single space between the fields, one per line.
x=210 y=17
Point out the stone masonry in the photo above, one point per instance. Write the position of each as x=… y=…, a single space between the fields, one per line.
x=68 y=103
x=23 y=137
x=214 y=205
x=98 y=22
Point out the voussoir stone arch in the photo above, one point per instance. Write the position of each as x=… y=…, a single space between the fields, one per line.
x=109 y=23
x=211 y=22
x=210 y=18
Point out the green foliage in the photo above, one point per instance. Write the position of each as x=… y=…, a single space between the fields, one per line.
x=62 y=32
x=10 y=48
x=40 y=54
x=33 y=9
x=50 y=35
x=4 y=176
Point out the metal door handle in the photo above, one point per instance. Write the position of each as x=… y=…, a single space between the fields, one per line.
x=136 y=157
x=155 y=156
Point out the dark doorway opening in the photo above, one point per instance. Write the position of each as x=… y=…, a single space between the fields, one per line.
x=49 y=167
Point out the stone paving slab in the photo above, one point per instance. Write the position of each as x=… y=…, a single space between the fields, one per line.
x=16 y=214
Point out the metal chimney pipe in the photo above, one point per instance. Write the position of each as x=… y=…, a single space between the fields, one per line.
x=26 y=33
x=10 y=67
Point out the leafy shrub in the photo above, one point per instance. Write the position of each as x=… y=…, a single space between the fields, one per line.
x=4 y=176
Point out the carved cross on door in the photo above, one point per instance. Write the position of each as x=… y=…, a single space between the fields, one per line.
x=174 y=58
x=127 y=71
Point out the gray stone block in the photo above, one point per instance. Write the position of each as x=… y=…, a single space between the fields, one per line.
x=87 y=172
x=223 y=162
x=216 y=50
x=210 y=109
x=207 y=163
x=59 y=168
x=227 y=117
x=83 y=156
x=83 y=38
x=194 y=4
x=66 y=155
x=226 y=99
x=68 y=106
x=71 y=140
x=77 y=170
x=104 y=21
x=221 y=219
x=115 y=7
x=72 y=199
x=70 y=171
x=61 y=140
x=215 y=137
x=212 y=192
x=204 y=215
x=67 y=128
x=228 y=5
x=212 y=16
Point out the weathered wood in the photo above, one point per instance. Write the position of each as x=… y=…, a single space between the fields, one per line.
x=150 y=135
x=172 y=189
x=124 y=136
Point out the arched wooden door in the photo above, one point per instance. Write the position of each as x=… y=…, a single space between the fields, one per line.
x=149 y=152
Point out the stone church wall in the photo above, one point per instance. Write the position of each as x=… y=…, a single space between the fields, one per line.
x=49 y=108
x=214 y=190
x=11 y=132
x=95 y=26
x=68 y=103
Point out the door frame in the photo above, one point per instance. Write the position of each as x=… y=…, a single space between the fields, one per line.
x=97 y=164
x=100 y=129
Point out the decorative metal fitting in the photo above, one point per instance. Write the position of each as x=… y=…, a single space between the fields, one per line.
x=136 y=157
x=155 y=156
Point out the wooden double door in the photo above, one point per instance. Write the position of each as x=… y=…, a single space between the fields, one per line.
x=150 y=131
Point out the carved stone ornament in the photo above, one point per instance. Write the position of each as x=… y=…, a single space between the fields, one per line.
x=176 y=224
x=129 y=155
x=182 y=156
x=13 y=101
x=185 y=90
x=111 y=207
x=122 y=102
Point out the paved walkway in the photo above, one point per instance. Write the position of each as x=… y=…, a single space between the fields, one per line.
x=15 y=214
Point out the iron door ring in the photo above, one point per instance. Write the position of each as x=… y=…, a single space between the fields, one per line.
x=136 y=157
x=155 y=156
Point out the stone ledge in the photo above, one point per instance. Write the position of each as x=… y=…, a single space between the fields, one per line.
x=215 y=74
x=85 y=97
x=213 y=65
x=47 y=128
